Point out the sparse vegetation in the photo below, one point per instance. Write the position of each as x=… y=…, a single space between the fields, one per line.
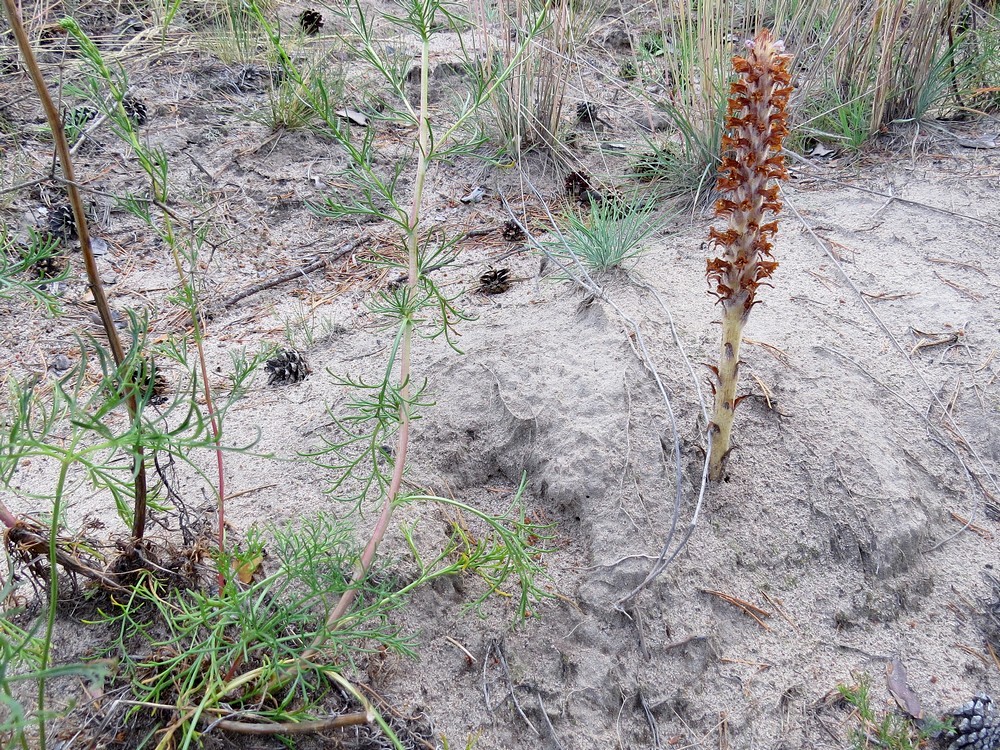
x=424 y=130
x=884 y=729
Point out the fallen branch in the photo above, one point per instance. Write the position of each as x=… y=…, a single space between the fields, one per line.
x=290 y=727
x=30 y=544
x=314 y=265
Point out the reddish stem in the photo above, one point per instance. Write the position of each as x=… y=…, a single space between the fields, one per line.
x=6 y=517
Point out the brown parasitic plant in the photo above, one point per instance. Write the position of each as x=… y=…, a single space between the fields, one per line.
x=751 y=165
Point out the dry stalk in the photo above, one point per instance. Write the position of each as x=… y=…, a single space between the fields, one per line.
x=83 y=232
x=751 y=164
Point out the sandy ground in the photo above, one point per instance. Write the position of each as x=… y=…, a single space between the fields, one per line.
x=859 y=515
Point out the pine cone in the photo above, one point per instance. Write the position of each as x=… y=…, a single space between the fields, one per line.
x=311 y=21
x=49 y=267
x=511 y=231
x=613 y=204
x=150 y=381
x=587 y=113
x=135 y=110
x=495 y=281
x=976 y=726
x=288 y=366
x=61 y=222
x=577 y=183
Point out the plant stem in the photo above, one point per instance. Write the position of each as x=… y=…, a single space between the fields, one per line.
x=7 y=518
x=53 y=596
x=725 y=390
x=83 y=232
x=206 y=387
x=413 y=277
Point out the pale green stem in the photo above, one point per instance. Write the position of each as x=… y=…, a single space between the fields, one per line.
x=53 y=595
x=413 y=245
x=725 y=390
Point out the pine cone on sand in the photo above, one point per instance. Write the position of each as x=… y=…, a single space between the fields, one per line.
x=511 y=231
x=311 y=21
x=49 y=267
x=577 y=183
x=287 y=366
x=495 y=281
x=135 y=110
x=61 y=222
x=976 y=726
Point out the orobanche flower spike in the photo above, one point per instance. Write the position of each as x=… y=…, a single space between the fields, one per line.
x=751 y=164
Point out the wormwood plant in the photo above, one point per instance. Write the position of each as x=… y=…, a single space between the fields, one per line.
x=417 y=307
x=93 y=276
x=751 y=163
x=16 y=264
x=107 y=88
x=237 y=654
x=22 y=654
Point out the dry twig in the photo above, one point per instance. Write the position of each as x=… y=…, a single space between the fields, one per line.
x=750 y=610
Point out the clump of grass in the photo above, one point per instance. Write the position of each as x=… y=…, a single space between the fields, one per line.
x=894 y=60
x=889 y=730
x=609 y=235
x=533 y=64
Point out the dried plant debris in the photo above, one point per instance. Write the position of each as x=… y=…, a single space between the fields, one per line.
x=135 y=110
x=578 y=184
x=287 y=366
x=495 y=281
x=511 y=231
x=9 y=64
x=61 y=222
x=976 y=726
x=311 y=21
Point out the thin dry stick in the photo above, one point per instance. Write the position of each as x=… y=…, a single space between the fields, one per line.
x=83 y=233
x=548 y=724
x=314 y=265
x=498 y=647
x=650 y=719
x=751 y=610
x=780 y=610
x=290 y=727
x=28 y=542
x=896 y=198
x=993 y=653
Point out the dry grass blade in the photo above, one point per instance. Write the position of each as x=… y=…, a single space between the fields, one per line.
x=750 y=610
